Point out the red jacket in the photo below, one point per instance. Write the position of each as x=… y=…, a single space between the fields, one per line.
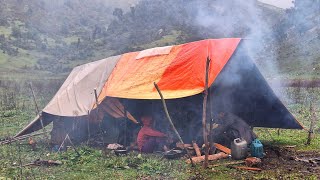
x=145 y=132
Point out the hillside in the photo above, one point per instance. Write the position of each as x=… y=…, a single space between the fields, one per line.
x=39 y=39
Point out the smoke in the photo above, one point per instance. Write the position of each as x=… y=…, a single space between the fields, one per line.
x=248 y=20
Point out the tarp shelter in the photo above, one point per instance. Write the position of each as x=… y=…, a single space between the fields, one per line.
x=236 y=84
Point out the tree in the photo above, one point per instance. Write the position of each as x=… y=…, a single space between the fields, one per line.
x=16 y=32
x=118 y=12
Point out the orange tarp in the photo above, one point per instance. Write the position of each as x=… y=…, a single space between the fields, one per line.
x=179 y=71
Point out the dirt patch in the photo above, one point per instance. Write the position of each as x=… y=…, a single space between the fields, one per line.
x=283 y=161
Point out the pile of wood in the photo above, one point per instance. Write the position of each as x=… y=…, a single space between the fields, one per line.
x=198 y=155
x=250 y=163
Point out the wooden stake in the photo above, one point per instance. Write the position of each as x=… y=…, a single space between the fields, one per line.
x=204 y=115
x=211 y=145
x=171 y=123
x=313 y=120
x=88 y=127
x=97 y=103
x=38 y=112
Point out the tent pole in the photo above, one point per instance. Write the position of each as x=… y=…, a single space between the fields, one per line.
x=88 y=127
x=204 y=115
x=97 y=103
x=211 y=122
x=171 y=123
x=38 y=112
x=125 y=126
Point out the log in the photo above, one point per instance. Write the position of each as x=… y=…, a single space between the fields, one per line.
x=222 y=148
x=213 y=157
x=196 y=148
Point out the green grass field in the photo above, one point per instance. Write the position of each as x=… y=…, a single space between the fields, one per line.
x=95 y=163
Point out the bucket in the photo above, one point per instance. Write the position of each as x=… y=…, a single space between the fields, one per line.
x=239 y=149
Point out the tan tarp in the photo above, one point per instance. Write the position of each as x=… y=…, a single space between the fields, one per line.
x=76 y=95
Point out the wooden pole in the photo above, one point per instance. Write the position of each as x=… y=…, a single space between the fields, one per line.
x=313 y=120
x=171 y=123
x=97 y=103
x=125 y=126
x=88 y=127
x=211 y=145
x=204 y=115
x=38 y=111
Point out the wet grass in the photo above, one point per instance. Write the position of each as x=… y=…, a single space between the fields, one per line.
x=97 y=164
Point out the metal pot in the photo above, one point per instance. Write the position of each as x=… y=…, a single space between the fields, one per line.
x=173 y=154
x=119 y=152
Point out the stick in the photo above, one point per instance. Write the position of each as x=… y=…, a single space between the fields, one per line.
x=19 y=138
x=171 y=123
x=38 y=111
x=67 y=137
x=204 y=115
x=125 y=126
x=88 y=127
x=62 y=143
x=211 y=151
x=196 y=148
x=97 y=102
x=75 y=149
x=313 y=119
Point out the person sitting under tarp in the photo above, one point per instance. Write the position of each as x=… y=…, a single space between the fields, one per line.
x=149 y=139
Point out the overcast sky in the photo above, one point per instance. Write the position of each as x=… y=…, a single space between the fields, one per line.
x=279 y=3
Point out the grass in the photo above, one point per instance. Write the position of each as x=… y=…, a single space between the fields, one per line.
x=95 y=163
x=166 y=40
x=5 y=31
x=286 y=137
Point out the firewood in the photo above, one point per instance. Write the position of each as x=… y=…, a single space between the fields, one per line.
x=196 y=148
x=222 y=148
x=182 y=146
x=218 y=156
